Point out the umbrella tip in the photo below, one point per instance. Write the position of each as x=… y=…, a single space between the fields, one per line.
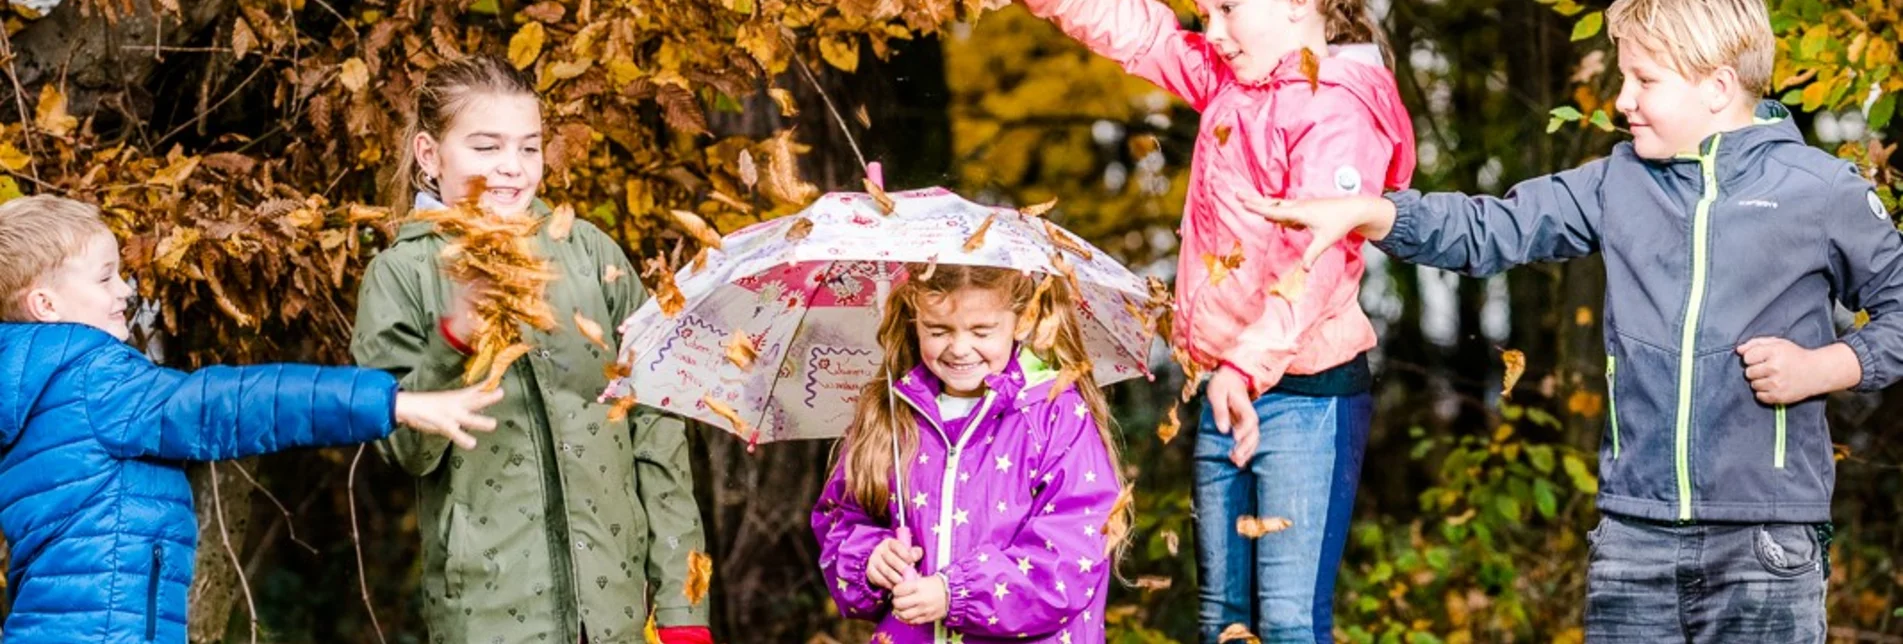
x=876 y=174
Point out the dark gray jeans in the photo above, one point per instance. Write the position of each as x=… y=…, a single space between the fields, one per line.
x=1652 y=581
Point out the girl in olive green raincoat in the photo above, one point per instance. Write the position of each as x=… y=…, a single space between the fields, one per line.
x=565 y=526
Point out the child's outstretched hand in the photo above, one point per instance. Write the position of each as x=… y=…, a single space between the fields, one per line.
x=1234 y=411
x=921 y=601
x=448 y=413
x=1783 y=373
x=891 y=559
x=1329 y=220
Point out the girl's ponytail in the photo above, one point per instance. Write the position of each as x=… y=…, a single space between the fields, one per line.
x=1350 y=22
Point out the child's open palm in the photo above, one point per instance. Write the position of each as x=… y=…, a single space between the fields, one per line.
x=449 y=414
x=1330 y=220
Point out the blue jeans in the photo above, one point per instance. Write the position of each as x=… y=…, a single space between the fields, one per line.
x=1281 y=586
x=1651 y=581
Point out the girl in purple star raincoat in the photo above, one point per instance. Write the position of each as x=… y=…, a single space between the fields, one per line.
x=1008 y=473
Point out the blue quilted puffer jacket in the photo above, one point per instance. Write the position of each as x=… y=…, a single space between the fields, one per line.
x=93 y=498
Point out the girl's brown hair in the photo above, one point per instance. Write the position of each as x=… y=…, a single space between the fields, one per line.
x=877 y=416
x=447 y=90
x=1350 y=22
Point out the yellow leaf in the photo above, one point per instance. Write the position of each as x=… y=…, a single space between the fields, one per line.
x=697 y=228
x=1582 y=316
x=788 y=107
x=526 y=45
x=700 y=573
x=590 y=329
x=353 y=74
x=1515 y=366
x=799 y=230
x=622 y=71
x=176 y=172
x=1292 y=284
x=841 y=52
x=1253 y=528
x=721 y=409
x=1219 y=267
x=1238 y=632
x=1862 y=318
x=12 y=158
x=1038 y=210
x=977 y=238
x=569 y=68
x=651 y=632
x=619 y=411
x=9 y=190
x=171 y=250
x=561 y=222
x=1170 y=428
x=740 y=350
x=52 y=116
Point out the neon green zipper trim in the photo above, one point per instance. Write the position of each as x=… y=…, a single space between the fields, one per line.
x=1612 y=401
x=1780 y=437
x=1687 y=349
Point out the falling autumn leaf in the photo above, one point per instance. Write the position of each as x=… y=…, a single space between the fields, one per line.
x=722 y=410
x=500 y=365
x=1292 y=284
x=697 y=228
x=613 y=370
x=1170 y=428
x=740 y=350
x=1029 y=317
x=700 y=573
x=1253 y=528
x=1064 y=242
x=1038 y=210
x=1582 y=316
x=589 y=329
x=353 y=74
x=1238 y=632
x=886 y=205
x=619 y=411
x=1222 y=134
x=977 y=237
x=1170 y=542
x=799 y=230
x=651 y=632
x=859 y=113
x=788 y=107
x=668 y=295
x=1515 y=366
x=749 y=173
x=878 y=638
x=1219 y=267
x=1311 y=70
x=561 y=222
x=51 y=114
x=1117 y=525
x=931 y=268
x=610 y=273
x=1153 y=583
x=700 y=259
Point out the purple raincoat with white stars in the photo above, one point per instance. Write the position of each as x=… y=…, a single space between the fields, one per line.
x=1009 y=504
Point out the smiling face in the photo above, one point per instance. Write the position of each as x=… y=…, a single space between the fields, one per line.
x=1253 y=36
x=965 y=336
x=86 y=289
x=497 y=137
x=1670 y=114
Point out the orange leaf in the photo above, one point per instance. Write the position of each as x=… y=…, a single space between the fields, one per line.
x=1238 y=632
x=977 y=237
x=1515 y=367
x=865 y=120
x=886 y=204
x=1254 y=528
x=1222 y=135
x=501 y=364
x=1153 y=583
x=1219 y=267
x=740 y=350
x=590 y=330
x=1117 y=525
x=1170 y=428
x=1038 y=210
x=722 y=410
x=799 y=230
x=697 y=228
x=700 y=259
x=1028 y=318
x=561 y=222
x=1063 y=241
x=613 y=370
x=1311 y=70
x=700 y=573
x=619 y=412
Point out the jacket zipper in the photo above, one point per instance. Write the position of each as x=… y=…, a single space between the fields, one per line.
x=1612 y=400
x=1780 y=437
x=152 y=593
x=947 y=492
x=1688 y=340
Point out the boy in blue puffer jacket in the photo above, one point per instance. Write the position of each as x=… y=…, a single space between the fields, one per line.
x=93 y=497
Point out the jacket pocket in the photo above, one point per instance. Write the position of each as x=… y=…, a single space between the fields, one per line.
x=152 y=592
x=1778 y=454
x=1612 y=400
x=456 y=550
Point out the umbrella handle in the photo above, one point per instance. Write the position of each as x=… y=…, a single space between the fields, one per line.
x=876 y=174
x=905 y=539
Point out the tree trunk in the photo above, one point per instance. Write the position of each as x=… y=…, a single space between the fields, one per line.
x=105 y=63
x=215 y=585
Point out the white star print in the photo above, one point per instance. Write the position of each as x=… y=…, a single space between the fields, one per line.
x=1001 y=506
x=992 y=620
x=938 y=528
x=1032 y=474
x=961 y=517
x=1084 y=564
x=1049 y=546
x=1090 y=477
x=1024 y=565
x=843 y=585
x=999 y=591
x=1090 y=530
x=918 y=499
x=1050 y=507
x=1082 y=410
x=964 y=592
x=1060 y=587
x=1090 y=592
x=984 y=558
x=964 y=477
x=1047 y=477
x=924 y=458
x=1004 y=463
x=1065 y=638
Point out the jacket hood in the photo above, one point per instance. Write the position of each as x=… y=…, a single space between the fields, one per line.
x=31 y=357
x=1362 y=71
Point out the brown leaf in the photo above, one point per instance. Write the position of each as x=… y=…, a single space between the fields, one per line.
x=782 y=180
x=859 y=113
x=243 y=39
x=700 y=573
x=740 y=350
x=1311 y=70
x=353 y=74
x=1143 y=145
x=700 y=259
x=799 y=230
x=1032 y=313
x=610 y=273
x=590 y=330
x=561 y=222
x=1117 y=525
x=1038 y=209
x=1064 y=242
x=666 y=293
x=1219 y=267
x=1222 y=134
x=1170 y=428
x=1253 y=528
x=1153 y=583
x=697 y=228
x=1515 y=367
x=613 y=370
x=51 y=116
x=550 y=12
x=977 y=237
x=788 y=107
x=1170 y=542
x=1238 y=632
x=619 y=411
x=886 y=204
x=681 y=110
x=749 y=173
x=500 y=366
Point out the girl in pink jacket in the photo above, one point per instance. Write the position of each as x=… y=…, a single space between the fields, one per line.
x=1296 y=102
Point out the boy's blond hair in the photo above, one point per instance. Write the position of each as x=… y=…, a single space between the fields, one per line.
x=1696 y=37
x=37 y=235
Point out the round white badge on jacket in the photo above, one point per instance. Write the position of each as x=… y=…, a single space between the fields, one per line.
x=1876 y=207
x=1348 y=179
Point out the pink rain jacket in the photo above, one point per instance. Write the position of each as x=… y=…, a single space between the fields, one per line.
x=1283 y=138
